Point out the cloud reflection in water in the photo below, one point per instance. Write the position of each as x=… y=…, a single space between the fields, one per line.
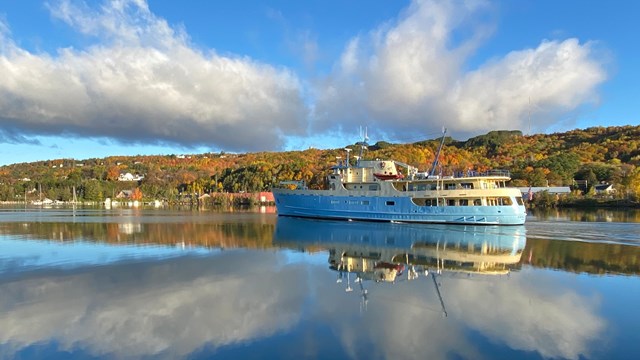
x=172 y=307
x=179 y=306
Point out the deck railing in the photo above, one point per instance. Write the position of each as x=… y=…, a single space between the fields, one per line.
x=462 y=174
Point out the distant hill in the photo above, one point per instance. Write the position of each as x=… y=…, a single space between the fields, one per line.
x=597 y=154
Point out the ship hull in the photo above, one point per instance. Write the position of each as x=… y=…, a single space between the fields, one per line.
x=324 y=205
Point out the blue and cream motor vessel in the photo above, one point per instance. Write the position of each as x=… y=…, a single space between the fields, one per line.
x=374 y=190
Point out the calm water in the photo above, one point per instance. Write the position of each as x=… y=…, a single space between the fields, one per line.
x=128 y=283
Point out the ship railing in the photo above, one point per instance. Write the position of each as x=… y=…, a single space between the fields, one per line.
x=491 y=173
x=299 y=184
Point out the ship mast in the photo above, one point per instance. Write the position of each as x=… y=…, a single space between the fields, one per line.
x=364 y=144
x=435 y=161
x=348 y=151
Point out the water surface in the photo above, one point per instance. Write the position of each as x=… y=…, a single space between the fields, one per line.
x=132 y=283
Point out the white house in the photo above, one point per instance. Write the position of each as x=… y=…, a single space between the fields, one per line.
x=130 y=177
x=124 y=194
x=605 y=189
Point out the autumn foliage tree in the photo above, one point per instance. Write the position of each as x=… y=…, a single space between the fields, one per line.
x=136 y=194
x=113 y=173
x=598 y=154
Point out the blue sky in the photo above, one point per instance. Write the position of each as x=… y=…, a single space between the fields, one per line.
x=83 y=79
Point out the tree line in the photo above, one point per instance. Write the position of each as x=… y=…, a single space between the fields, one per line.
x=592 y=156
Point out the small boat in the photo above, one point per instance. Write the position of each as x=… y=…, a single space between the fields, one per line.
x=376 y=190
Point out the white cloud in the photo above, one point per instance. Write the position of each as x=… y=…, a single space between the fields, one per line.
x=146 y=83
x=558 y=76
x=142 y=81
x=412 y=76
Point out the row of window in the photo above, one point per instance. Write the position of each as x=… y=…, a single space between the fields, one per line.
x=351 y=202
x=370 y=187
x=423 y=187
x=493 y=201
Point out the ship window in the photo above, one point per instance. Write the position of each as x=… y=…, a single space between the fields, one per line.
x=501 y=201
x=451 y=202
x=425 y=201
x=450 y=186
x=333 y=202
x=391 y=203
x=519 y=200
x=464 y=202
x=477 y=202
x=466 y=185
x=365 y=202
x=373 y=187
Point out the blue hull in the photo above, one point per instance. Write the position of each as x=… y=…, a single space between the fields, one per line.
x=393 y=209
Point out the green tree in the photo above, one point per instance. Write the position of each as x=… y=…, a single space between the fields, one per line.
x=634 y=183
x=537 y=177
x=92 y=191
x=592 y=180
x=564 y=164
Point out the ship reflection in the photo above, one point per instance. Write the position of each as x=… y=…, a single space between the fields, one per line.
x=390 y=253
x=385 y=251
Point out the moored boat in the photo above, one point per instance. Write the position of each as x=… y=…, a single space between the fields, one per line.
x=375 y=190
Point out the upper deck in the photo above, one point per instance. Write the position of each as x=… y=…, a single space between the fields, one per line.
x=376 y=171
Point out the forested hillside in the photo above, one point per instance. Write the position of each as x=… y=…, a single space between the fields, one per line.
x=599 y=154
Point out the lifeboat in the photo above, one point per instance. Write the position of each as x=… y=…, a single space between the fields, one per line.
x=388 y=176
